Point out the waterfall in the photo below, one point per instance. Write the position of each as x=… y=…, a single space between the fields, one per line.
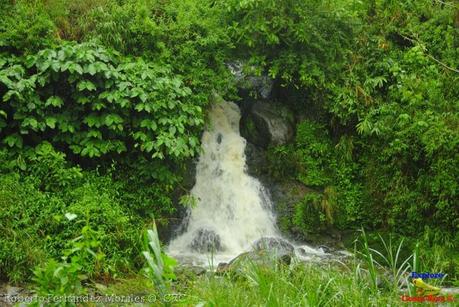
x=232 y=208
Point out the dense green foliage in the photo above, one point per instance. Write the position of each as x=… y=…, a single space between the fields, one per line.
x=103 y=102
x=35 y=205
x=390 y=159
x=81 y=97
x=299 y=43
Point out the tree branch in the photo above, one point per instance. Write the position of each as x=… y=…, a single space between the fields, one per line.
x=429 y=55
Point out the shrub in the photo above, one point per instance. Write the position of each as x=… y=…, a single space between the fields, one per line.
x=85 y=99
x=313 y=161
x=25 y=27
x=32 y=210
x=26 y=219
x=58 y=279
x=189 y=35
x=299 y=43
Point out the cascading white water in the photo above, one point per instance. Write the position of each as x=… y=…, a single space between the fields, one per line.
x=233 y=209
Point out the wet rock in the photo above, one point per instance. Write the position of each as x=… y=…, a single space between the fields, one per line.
x=258 y=257
x=197 y=270
x=302 y=252
x=345 y=253
x=187 y=272
x=307 y=251
x=255 y=257
x=222 y=267
x=257 y=162
x=266 y=123
x=206 y=241
x=247 y=85
x=179 y=219
x=189 y=174
x=285 y=259
x=277 y=246
x=325 y=249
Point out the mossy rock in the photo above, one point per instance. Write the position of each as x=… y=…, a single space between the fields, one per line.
x=267 y=123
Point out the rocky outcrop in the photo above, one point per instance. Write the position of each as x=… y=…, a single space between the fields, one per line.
x=266 y=123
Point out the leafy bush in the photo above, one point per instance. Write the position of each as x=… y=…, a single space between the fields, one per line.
x=82 y=97
x=58 y=279
x=65 y=278
x=313 y=153
x=25 y=218
x=391 y=155
x=73 y=19
x=403 y=105
x=189 y=35
x=25 y=27
x=313 y=161
x=308 y=216
x=378 y=78
x=34 y=211
x=300 y=43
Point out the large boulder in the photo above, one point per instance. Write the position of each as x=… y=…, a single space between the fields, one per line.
x=278 y=246
x=267 y=123
x=206 y=241
x=263 y=258
x=266 y=251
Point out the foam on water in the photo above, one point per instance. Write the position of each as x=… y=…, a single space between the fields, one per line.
x=233 y=210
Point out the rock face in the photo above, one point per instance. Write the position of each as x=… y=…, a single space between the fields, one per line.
x=206 y=241
x=267 y=123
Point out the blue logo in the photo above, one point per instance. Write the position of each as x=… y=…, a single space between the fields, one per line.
x=426 y=275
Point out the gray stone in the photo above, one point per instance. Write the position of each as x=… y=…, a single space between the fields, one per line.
x=258 y=258
x=277 y=246
x=325 y=248
x=256 y=162
x=197 y=270
x=206 y=241
x=266 y=123
x=222 y=267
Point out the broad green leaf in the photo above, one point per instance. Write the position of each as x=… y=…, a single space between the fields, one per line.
x=51 y=122
x=54 y=101
x=86 y=85
x=13 y=140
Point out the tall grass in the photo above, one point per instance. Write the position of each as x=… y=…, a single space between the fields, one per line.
x=386 y=266
x=370 y=278
x=160 y=267
x=294 y=285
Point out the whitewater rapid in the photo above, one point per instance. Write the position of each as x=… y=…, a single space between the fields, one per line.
x=232 y=208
